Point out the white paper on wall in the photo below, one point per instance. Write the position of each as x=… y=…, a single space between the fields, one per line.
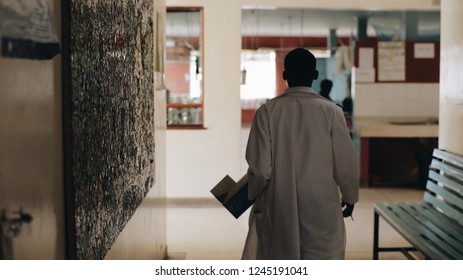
x=366 y=57
x=391 y=61
x=365 y=75
x=423 y=50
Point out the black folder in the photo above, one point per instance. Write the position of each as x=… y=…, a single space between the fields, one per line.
x=233 y=195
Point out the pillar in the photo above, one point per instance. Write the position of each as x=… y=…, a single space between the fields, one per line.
x=362 y=26
x=332 y=41
x=451 y=81
x=410 y=26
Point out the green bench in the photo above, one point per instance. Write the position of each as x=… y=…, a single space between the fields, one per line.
x=434 y=227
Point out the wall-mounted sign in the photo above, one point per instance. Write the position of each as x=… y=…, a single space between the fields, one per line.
x=366 y=58
x=423 y=50
x=391 y=61
x=365 y=75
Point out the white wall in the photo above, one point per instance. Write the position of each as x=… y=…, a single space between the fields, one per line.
x=31 y=150
x=451 y=80
x=198 y=159
x=397 y=100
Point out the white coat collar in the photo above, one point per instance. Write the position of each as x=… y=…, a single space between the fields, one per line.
x=299 y=90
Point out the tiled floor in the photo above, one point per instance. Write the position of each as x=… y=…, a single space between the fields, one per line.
x=201 y=229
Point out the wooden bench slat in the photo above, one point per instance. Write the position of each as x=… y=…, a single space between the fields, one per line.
x=409 y=233
x=454 y=159
x=445 y=194
x=436 y=237
x=398 y=221
x=436 y=227
x=450 y=226
x=450 y=170
x=454 y=186
x=450 y=211
x=433 y=226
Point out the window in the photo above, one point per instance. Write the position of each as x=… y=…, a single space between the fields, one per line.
x=184 y=71
x=258 y=82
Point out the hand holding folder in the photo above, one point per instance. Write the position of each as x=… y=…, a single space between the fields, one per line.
x=233 y=195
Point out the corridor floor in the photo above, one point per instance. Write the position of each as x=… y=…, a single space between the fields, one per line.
x=201 y=229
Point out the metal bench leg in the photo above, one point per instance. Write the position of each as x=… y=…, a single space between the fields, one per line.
x=375 y=235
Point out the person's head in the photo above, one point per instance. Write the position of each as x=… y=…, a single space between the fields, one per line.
x=300 y=68
x=347 y=104
x=326 y=85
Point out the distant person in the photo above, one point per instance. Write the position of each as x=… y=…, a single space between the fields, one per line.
x=325 y=88
x=302 y=169
x=348 y=105
x=348 y=108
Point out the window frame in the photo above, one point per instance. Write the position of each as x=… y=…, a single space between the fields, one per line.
x=201 y=51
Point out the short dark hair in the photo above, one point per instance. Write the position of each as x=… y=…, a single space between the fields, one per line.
x=300 y=62
x=326 y=85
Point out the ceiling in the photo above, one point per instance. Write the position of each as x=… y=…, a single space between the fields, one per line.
x=312 y=22
x=308 y=22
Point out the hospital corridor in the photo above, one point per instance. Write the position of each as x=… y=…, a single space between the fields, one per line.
x=125 y=127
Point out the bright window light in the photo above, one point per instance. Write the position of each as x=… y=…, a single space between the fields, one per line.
x=259 y=78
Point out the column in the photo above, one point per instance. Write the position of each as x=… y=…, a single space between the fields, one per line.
x=332 y=41
x=451 y=82
x=410 y=26
x=362 y=26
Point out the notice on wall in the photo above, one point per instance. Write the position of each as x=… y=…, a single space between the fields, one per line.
x=28 y=30
x=365 y=75
x=366 y=57
x=423 y=50
x=391 y=61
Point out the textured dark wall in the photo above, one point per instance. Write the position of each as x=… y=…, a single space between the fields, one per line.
x=112 y=121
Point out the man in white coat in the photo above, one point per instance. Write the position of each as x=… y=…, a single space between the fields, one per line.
x=302 y=167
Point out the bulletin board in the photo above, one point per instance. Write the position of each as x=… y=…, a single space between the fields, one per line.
x=108 y=118
x=418 y=68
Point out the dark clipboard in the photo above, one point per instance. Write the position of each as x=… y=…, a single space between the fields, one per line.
x=233 y=195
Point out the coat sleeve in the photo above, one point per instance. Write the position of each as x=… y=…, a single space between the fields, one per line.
x=259 y=154
x=346 y=171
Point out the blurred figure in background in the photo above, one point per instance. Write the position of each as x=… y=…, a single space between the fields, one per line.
x=325 y=88
x=348 y=108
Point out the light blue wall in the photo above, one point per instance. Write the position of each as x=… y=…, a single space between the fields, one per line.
x=327 y=69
